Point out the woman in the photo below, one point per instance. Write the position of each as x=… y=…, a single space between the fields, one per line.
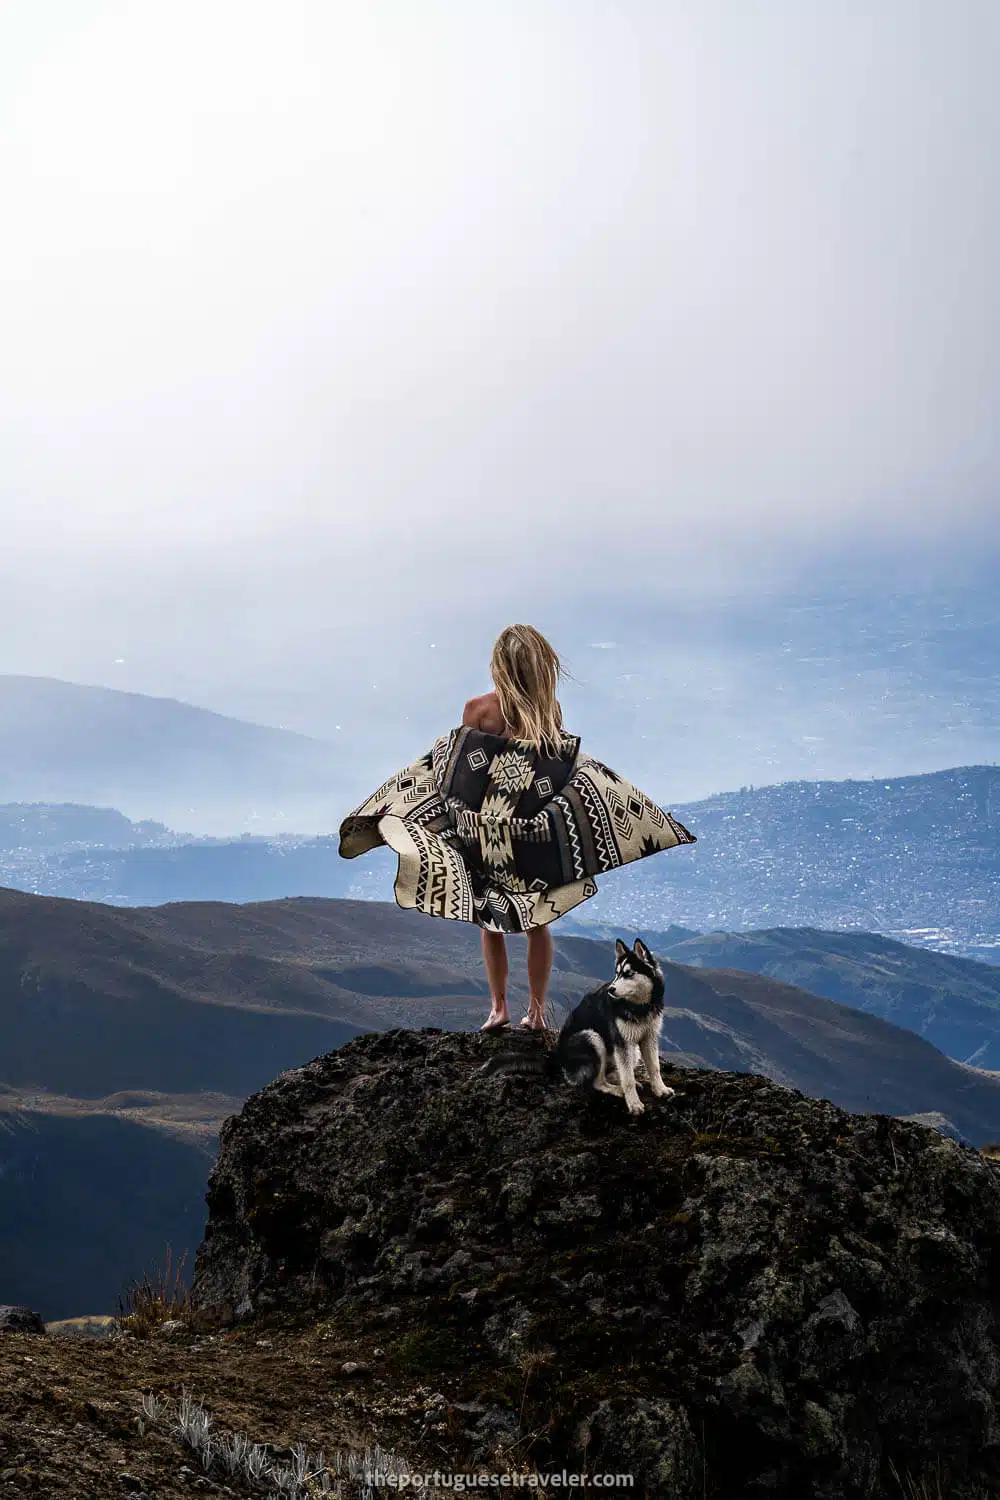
x=504 y=822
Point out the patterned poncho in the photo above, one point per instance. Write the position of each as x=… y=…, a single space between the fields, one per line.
x=490 y=830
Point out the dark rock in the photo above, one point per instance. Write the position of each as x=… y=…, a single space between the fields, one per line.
x=497 y=1427
x=15 y=1319
x=651 y=1438
x=792 y=1300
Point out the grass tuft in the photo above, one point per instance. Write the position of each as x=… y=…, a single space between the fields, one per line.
x=160 y=1297
x=935 y=1485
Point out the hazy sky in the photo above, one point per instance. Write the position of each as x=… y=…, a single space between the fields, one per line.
x=334 y=335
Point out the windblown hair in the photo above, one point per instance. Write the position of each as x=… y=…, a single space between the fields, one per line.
x=525 y=672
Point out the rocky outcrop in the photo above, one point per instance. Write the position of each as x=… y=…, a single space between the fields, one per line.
x=741 y=1292
x=16 y=1319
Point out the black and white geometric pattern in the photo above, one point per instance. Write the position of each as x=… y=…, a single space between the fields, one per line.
x=488 y=830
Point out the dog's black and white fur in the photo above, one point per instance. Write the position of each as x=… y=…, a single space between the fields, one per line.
x=608 y=1031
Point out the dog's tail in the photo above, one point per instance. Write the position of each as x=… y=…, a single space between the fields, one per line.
x=538 y=1063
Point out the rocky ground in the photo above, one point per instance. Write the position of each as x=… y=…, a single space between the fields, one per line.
x=70 y=1408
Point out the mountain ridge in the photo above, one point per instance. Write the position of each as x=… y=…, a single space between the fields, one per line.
x=156 y=757
x=950 y=1000
x=25 y=683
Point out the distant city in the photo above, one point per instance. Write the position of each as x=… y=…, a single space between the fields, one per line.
x=916 y=858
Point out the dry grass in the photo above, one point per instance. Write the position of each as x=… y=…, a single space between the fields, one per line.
x=299 y=1475
x=935 y=1486
x=160 y=1297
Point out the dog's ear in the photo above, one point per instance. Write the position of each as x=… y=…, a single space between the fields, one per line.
x=641 y=951
x=621 y=951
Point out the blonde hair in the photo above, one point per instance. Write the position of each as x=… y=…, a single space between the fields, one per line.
x=525 y=672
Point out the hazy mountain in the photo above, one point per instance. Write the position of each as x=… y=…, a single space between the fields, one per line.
x=54 y=827
x=156 y=757
x=915 y=857
x=239 y=869
x=98 y=854
x=850 y=855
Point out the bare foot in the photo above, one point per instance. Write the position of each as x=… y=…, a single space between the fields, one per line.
x=534 y=1020
x=498 y=1018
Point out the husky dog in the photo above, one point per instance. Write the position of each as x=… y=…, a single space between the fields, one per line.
x=609 y=1029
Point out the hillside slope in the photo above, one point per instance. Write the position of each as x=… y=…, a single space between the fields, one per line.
x=159 y=758
x=200 y=996
x=951 y=1001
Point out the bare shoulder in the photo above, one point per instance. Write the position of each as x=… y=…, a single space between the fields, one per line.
x=483 y=713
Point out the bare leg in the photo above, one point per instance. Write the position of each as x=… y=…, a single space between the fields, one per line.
x=539 y=969
x=495 y=960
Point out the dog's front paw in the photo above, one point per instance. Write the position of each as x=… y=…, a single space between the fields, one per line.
x=636 y=1107
x=662 y=1091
